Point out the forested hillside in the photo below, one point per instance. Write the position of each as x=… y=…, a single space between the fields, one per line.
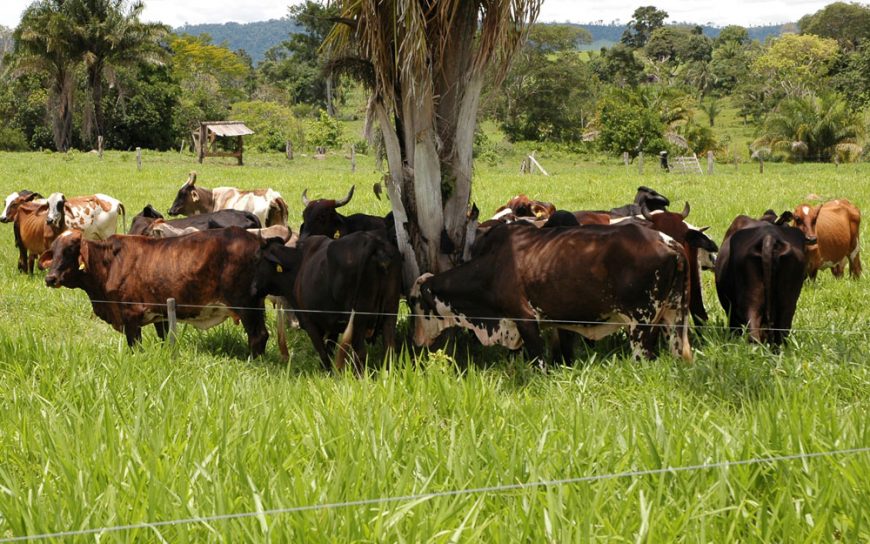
x=255 y=38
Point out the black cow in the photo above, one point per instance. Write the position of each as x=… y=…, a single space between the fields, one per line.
x=592 y=280
x=320 y=217
x=348 y=287
x=759 y=275
x=644 y=197
x=144 y=221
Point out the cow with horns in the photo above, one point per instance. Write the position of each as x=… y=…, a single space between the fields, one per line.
x=321 y=217
x=266 y=204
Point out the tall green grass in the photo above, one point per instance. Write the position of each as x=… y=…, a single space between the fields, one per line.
x=93 y=434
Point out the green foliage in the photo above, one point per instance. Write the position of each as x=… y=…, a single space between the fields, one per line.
x=626 y=123
x=273 y=124
x=12 y=139
x=326 y=131
x=848 y=23
x=255 y=38
x=142 y=113
x=546 y=97
x=553 y=38
x=618 y=65
x=814 y=128
x=733 y=34
x=678 y=45
x=644 y=21
x=851 y=76
x=797 y=63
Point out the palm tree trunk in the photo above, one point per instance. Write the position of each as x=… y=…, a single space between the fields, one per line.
x=95 y=82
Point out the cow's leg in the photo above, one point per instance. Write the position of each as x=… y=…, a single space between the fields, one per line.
x=162 y=328
x=839 y=269
x=756 y=324
x=316 y=337
x=643 y=338
x=31 y=262
x=565 y=345
x=133 y=332
x=254 y=322
x=22 y=251
x=533 y=342
x=855 y=265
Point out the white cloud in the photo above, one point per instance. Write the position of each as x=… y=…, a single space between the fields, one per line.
x=743 y=12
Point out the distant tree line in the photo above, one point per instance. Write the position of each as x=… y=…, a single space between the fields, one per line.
x=77 y=70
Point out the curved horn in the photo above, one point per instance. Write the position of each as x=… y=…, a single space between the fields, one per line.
x=345 y=200
x=305 y=200
x=685 y=212
x=191 y=178
x=644 y=211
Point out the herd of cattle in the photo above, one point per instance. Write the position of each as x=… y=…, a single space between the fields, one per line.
x=531 y=269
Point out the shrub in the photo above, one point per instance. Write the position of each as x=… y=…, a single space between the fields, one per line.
x=326 y=131
x=12 y=139
x=272 y=123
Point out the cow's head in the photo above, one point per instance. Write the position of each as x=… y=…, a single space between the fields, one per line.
x=675 y=226
x=650 y=198
x=187 y=201
x=143 y=219
x=275 y=269
x=319 y=217
x=56 y=204
x=523 y=206
x=805 y=218
x=428 y=324
x=66 y=260
x=14 y=201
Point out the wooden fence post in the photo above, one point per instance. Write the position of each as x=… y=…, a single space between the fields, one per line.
x=181 y=147
x=100 y=147
x=173 y=320
x=709 y=163
x=353 y=158
x=760 y=164
x=625 y=158
x=288 y=148
x=139 y=158
x=640 y=163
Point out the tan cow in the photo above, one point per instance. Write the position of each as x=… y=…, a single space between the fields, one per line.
x=832 y=231
x=95 y=215
x=266 y=204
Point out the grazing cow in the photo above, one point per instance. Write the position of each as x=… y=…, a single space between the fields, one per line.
x=34 y=232
x=592 y=280
x=835 y=226
x=130 y=278
x=10 y=210
x=349 y=286
x=266 y=204
x=644 y=197
x=150 y=220
x=320 y=217
x=522 y=206
x=95 y=215
x=759 y=275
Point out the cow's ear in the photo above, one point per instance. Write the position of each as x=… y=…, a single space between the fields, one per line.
x=83 y=256
x=194 y=195
x=700 y=240
x=786 y=217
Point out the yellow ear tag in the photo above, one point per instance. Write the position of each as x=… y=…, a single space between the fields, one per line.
x=336 y=235
x=82 y=267
x=279 y=268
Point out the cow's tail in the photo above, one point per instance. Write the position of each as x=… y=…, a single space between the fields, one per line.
x=123 y=217
x=281 y=325
x=345 y=344
x=767 y=247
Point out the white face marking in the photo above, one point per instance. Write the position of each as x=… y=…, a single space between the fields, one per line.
x=9 y=200
x=501 y=214
x=806 y=210
x=66 y=233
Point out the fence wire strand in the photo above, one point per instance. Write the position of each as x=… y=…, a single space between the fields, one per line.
x=501 y=488
x=542 y=321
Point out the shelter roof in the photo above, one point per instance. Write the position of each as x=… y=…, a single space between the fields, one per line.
x=228 y=128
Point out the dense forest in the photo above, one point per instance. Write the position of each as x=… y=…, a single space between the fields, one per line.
x=76 y=70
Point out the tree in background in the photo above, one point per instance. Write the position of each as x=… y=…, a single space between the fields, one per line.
x=814 y=128
x=108 y=35
x=549 y=92
x=211 y=78
x=645 y=20
x=297 y=64
x=797 y=64
x=849 y=24
x=618 y=66
x=428 y=62
x=626 y=123
x=44 y=45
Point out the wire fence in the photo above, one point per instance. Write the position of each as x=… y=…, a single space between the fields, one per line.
x=863 y=330
x=500 y=488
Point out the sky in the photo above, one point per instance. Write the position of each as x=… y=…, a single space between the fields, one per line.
x=743 y=12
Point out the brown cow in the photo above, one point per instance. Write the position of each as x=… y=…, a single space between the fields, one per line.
x=34 y=232
x=523 y=206
x=10 y=210
x=130 y=278
x=834 y=227
x=266 y=204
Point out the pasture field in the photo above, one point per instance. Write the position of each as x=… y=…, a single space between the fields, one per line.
x=95 y=435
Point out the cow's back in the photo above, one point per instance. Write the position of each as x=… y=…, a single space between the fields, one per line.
x=837 y=230
x=259 y=201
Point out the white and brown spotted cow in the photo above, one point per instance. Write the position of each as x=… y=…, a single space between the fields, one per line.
x=95 y=215
x=832 y=231
x=266 y=204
